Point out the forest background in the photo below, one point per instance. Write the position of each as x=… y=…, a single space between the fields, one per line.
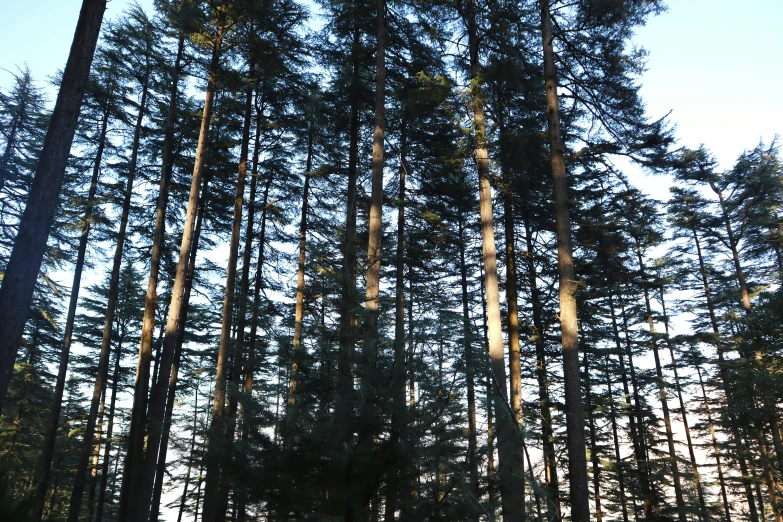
x=710 y=63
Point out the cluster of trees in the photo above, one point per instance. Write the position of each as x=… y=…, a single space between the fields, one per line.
x=226 y=176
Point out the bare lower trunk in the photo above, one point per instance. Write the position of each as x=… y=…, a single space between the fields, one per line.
x=54 y=416
x=510 y=474
x=103 y=363
x=580 y=495
x=21 y=273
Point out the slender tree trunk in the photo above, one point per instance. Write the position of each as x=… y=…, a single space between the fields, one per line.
x=368 y=466
x=244 y=288
x=634 y=416
x=510 y=474
x=696 y=476
x=134 y=462
x=230 y=385
x=21 y=272
x=595 y=461
x=96 y=457
x=190 y=455
x=742 y=457
x=150 y=465
x=348 y=298
x=300 y=273
x=399 y=437
x=491 y=476
x=715 y=446
x=662 y=393
x=115 y=388
x=103 y=363
x=616 y=439
x=136 y=497
x=469 y=365
x=551 y=482
x=580 y=495
x=54 y=415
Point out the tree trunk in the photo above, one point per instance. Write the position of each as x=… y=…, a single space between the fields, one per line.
x=134 y=463
x=580 y=495
x=243 y=291
x=399 y=437
x=190 y=456
x=715 y=446
x=662 y=392
x=616 y=439
x=151 y=466
x=300 y=273
x=634 y=416
x=115 y=388
x=469 y=365
x=21 y=273
x=696 y=477
x=510 y=474
x=227 y=417
x=727 y=390
x=54 y=416
x=551 y=482
x=595 y=461
x=103 y=363
x=369 y=467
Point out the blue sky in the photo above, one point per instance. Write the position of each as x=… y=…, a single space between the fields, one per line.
x=716 y=64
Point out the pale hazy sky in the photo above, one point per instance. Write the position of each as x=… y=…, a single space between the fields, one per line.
x=716 y=64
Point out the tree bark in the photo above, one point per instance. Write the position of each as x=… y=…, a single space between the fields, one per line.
x=151 y=466
x=140 y=393
x=54 y=416
x=616 y=439
x=103 y=363
x=580 y=495
x=510 y=474
x=21 y=273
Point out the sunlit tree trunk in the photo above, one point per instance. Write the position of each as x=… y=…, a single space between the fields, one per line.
x=300 y=273
x=141 y=387
x=151 y=465
x=103 y=363
x=21 y=272
x=577 y=467
x=510 y=473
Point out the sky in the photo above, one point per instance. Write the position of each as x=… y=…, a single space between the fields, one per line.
x=714 y=64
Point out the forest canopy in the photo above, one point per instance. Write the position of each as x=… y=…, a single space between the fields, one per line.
x=380 y=261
